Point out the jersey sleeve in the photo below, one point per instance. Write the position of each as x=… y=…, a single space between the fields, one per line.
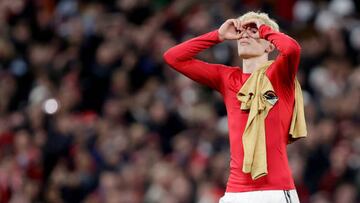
x=181 y=58
x=286 y=64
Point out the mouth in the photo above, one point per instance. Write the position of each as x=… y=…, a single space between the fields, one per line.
x=244 y=43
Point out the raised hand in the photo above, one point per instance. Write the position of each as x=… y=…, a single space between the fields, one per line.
x=230 y=30
x=251 y=26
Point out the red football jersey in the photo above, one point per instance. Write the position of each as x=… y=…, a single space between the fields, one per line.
x=228 y=81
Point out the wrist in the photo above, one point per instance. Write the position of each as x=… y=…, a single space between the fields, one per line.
x=262 y=30
x=219 y=36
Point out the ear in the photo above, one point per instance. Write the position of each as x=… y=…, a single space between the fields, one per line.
x=270 y=48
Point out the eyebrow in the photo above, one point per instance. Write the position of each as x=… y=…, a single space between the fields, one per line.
x=249 y=24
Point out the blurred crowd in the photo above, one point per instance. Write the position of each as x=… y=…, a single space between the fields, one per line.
x=89 y=112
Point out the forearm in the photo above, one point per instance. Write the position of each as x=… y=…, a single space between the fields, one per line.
x=188 y=49
x=181 y=58
x=286 y=64
x=285 y=44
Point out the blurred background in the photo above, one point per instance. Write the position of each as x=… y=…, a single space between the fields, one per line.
x=89 y=112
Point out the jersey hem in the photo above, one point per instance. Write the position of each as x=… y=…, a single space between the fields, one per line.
x=258 y=189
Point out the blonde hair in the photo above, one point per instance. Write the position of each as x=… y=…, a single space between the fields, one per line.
x=263 y=17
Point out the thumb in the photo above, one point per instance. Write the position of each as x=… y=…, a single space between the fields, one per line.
x=234 y=36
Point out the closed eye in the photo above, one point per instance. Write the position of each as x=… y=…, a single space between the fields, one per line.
x=253 y=30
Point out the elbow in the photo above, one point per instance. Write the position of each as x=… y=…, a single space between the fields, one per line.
x=166 y=57
x=296 y=49
x=169 y=57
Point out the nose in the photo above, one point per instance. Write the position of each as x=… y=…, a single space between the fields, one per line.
x=245 y=34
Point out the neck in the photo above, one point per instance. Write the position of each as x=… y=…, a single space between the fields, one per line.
x=250 y=65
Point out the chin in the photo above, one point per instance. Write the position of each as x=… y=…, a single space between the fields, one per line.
x=245 y=55
x=249 y=54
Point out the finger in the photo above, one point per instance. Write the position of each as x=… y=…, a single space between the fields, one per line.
x=242 y=26
x=239 y=24
x=238 y=35
x=235 y=36
x=231 y=36
x=236 y=26
x=233 y=23
x=228 y=22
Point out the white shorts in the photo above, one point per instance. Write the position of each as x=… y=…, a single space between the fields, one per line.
x=263 y=196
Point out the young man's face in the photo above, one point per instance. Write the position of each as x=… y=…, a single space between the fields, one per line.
x=250 y=45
